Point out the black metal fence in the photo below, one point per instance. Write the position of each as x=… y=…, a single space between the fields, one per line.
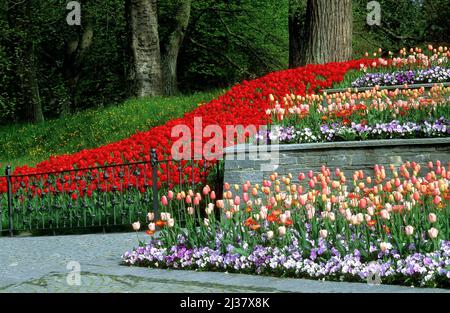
x=102 y=196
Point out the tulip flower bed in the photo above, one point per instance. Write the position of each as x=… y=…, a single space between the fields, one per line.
x=243 y=104
x=435 y=74
x=408 y=67
x=373 y=114
x=396 y=225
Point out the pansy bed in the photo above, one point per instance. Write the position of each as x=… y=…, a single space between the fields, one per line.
x=392 y=227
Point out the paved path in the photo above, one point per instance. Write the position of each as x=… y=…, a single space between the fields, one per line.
x=39 y=264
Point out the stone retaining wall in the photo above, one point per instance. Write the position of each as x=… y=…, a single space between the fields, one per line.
x=243 y=163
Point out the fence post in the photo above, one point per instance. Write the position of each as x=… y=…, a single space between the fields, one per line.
x=154 y=161
x=9 y=191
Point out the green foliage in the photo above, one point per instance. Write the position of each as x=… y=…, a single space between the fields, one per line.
x=30 y=143
x=404 y=23
x=228 y=41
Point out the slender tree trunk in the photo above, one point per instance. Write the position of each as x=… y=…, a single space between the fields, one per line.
x=328 y=31
x=19 y=18
x=76 y=50
x=34 y=108
x=145 y=72
x=296 y=21
x=172 y=48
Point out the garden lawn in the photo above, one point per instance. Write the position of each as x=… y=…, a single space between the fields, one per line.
x=31 y=143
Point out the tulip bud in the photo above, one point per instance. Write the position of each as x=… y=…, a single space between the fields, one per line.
x=433 y=233
x=136 y=226
x=432 y=218
x=385 y=214
x=196 y=201
x=210 y=208
x=220 y=204
x=409 y=230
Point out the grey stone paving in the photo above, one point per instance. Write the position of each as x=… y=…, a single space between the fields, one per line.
x=40 y=264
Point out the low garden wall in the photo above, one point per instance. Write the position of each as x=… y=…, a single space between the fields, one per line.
x=255 y=163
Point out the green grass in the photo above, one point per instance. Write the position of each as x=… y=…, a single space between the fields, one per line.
x=29 y=144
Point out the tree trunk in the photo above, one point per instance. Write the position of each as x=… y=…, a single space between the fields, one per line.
x=328 y=32
x=145 y=72
x=172 y=48
x=75 y=52
x=296 y=22
x=19 y=18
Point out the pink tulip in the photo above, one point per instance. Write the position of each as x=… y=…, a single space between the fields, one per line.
x=409 y=230
x=164 y=201
x=273 y=201
x=170 y=195
x=433 y=233
x=220 y=204
x=363 y=203
x=301 y=176
x=188 y=199
x=385 y=214
x=302 y=199
x=432 y=218
x=213 y=195
x=437 y=200
x=245 y=197
x=196 y=201
x=337 y=172
x=237 y=200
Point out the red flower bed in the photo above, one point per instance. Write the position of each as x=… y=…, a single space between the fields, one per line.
x=243 y=104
